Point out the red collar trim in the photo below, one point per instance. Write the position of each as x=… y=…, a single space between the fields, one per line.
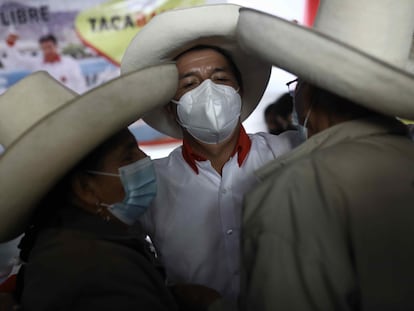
x=9 y=285
x=52 y=59
x=243 y=146
x=242 y=149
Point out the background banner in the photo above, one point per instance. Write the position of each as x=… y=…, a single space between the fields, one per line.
x=108 y=28
x=91 y=38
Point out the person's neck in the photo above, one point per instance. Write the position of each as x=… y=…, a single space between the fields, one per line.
x=217 y=154
x=52 y=58
x=322 y=121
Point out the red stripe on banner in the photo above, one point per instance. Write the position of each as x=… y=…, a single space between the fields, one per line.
x=311 y=8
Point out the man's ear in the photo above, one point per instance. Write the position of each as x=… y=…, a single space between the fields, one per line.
x=83 y=189
x=241 y=91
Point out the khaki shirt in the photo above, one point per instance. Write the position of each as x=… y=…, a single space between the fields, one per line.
x=331 y=225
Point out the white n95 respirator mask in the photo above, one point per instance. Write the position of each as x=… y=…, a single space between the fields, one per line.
x=210 y=112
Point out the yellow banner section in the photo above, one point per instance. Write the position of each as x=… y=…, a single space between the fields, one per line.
x=109 y=27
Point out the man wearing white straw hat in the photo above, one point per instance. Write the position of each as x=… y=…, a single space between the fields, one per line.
x=194 y=221
x=330 y=227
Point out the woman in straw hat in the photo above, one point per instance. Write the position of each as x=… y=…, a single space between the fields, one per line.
x=76 y=248
x=78 y=206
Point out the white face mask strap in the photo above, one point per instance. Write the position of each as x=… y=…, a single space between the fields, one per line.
x=101 y=204
x=307 y=116
x=103 y=173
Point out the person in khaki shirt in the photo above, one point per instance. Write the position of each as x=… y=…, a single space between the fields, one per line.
x=330 y=226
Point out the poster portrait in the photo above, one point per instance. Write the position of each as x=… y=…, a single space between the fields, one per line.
x=79 y=42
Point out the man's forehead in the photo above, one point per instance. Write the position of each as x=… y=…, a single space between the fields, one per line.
x=201 y=58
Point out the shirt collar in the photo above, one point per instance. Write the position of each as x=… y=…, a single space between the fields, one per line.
x=345 y=131
x=52 y=59
x=242 y=149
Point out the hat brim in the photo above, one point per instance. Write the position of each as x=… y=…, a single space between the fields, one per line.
x=328 y=63
x=18 y=115
x=173 y=32
x=51 y=147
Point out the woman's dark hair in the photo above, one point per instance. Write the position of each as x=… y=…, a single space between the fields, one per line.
x=45 y=214
x=93 y=161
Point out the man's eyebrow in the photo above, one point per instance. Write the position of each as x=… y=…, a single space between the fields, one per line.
x=194 y=72
x=220 y=69
x=187 y=74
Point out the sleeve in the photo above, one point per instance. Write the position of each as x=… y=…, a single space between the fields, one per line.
x=294 y=250
x=77 y=81
x=15 y=60
x=283 y=143
x=9 y=254
x=94 y=276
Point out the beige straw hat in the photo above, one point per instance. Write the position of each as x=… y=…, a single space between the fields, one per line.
x=357 y=49
x=46 y=129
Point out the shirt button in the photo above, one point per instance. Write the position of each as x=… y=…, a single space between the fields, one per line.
x=223 y=191
x=229 y=232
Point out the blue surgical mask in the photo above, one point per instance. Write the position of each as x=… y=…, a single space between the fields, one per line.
x=138 y=180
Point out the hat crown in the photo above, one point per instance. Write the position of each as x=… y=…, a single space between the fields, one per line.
x=28 y=101
x=381 y=28
x=52 y=145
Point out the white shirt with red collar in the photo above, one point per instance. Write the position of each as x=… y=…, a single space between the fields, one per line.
x=194 y=221
x=67 y=71
x=64 y=68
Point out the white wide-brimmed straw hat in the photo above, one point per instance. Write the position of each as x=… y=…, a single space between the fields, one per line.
x=46 y=129
x=171 y=33
x=357 y=49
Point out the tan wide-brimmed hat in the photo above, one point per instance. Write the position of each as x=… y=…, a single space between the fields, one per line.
x=357 y=49
x=46 y=129
x=171 y=33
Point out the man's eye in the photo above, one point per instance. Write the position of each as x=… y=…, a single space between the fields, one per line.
x=221 y=78
x=189 y=84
